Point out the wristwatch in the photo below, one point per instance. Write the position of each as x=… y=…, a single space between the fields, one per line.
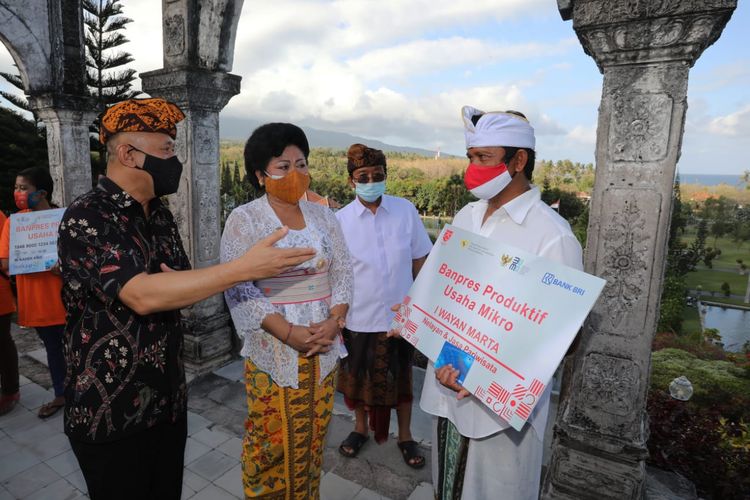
x=340 y=321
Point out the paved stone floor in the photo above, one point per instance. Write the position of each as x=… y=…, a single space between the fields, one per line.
x=36 y=461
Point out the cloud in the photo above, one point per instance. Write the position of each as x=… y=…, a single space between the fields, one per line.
x=582 y=134
x=734 y=124
x=399 y=71
x=419 y=57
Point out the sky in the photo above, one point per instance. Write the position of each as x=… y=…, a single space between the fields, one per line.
x=399 y=71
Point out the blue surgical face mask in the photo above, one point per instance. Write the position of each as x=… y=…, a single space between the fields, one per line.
x=370 y=191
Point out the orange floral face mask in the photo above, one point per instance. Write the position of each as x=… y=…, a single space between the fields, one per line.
x=288 y=188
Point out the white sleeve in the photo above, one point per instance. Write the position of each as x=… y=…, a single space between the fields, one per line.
x=340 y=271
x=247 y=304
x=566 y=250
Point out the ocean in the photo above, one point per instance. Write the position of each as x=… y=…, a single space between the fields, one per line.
x=711 y=180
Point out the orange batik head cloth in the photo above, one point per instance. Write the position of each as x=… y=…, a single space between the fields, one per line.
x=140 y=115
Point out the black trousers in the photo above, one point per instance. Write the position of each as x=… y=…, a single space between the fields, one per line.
x=8 y=358
x=147 y=465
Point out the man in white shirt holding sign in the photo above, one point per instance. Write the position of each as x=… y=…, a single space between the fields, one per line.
x=476 y=454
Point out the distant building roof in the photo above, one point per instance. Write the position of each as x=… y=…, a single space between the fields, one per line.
x=314 y=197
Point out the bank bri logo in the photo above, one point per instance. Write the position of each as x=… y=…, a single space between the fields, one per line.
x=549 y=279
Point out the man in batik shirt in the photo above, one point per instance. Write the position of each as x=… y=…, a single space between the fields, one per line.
x=126 y=275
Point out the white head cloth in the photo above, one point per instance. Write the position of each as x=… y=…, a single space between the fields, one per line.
x=497 y=128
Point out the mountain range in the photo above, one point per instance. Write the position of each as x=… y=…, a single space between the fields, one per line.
x=233 y=128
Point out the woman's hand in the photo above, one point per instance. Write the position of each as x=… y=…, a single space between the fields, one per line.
x=324 y=335
x=448 y=377
x=297 y=339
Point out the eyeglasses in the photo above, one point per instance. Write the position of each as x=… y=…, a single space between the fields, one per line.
x=366 y=179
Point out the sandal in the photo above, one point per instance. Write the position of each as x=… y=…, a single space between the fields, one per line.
x=49 y=409
x=411 y=454
x=354 y=442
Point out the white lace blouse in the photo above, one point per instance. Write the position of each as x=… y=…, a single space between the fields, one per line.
x=245 y=226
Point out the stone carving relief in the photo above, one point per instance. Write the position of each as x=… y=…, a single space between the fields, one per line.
x=589 y=12
x=208 y=247
x=174 y=35
x=625 y=257
x=206 y=144
x=610 y=384
x=578 y=473
x=649 y=39
x=639 y=128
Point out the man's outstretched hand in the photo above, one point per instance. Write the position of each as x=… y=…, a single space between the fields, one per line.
x=264 y=260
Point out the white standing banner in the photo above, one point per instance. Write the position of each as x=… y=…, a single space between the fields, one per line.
x=501 y=316
x=33 y=241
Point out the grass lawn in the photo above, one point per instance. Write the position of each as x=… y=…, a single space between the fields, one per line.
x=730 y=250
x=711 y=279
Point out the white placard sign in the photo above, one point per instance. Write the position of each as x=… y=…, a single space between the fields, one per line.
x=33 y=241
x=503 y=317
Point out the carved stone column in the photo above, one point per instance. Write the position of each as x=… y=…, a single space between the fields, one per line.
x=45 y=39
x=645 y=50
x=198 y=50
x=67 y=123
x=196 y=206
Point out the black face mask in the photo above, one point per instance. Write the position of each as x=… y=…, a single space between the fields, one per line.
x=165 y=173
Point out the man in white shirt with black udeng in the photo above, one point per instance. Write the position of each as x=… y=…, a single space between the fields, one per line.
x=388 y=244
x=476 y=454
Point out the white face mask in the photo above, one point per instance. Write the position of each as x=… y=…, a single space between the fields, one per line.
x=492 y=188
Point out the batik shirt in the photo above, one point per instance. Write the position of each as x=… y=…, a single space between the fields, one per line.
x=124 y=370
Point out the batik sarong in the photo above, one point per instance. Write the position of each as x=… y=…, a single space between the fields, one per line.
x=377 y=374
x=282 y=452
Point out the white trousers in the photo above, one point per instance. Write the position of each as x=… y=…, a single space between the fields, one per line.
x=504 y=466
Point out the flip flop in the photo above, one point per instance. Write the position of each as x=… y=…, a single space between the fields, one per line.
x=354 y=442
x=411 y=455
x=48 y=409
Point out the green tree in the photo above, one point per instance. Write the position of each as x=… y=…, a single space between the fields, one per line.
x=107 y=82
x=18 y=101
x=681 y=260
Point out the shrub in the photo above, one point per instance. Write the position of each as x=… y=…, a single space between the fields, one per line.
x=721 y=385
x=698 y=444
x=692 y=343
x=726 y=290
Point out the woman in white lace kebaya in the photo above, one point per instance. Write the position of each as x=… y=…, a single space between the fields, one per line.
x=290 y=324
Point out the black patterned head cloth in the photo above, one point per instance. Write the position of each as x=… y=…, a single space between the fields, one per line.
x=360 y=156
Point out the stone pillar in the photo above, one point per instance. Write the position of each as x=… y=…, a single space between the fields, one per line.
x=644 y=50
x=67 y=124
x=198 y=52
x=196 y=206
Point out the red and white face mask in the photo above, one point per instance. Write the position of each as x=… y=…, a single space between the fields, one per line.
x=486 y=182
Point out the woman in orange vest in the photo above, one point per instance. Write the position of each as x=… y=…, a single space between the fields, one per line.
x=9 y=394
x=39 y=302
